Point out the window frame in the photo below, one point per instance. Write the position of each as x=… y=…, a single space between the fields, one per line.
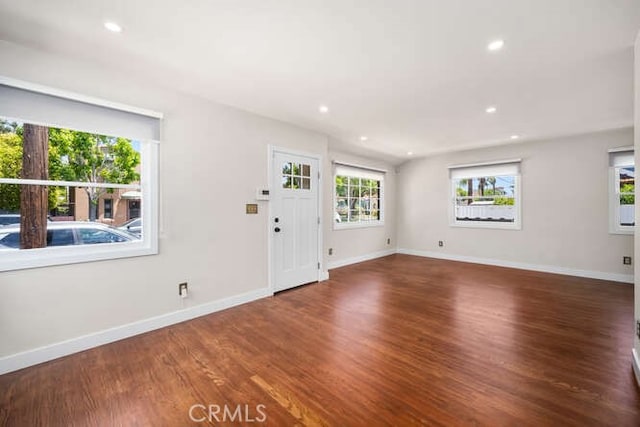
x=148 y=185
x=381 y=208
x=618 y=159
x=497 y=225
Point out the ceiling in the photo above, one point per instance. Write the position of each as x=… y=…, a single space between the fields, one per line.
x=410 y=75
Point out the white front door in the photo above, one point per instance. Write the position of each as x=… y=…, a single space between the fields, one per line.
x=294 y=219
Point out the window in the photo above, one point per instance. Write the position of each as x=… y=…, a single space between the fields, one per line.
x=80 y=150
x=296 y=176
x=108 y=208
x=486 y=195
x=359 y=197
x=622 y=191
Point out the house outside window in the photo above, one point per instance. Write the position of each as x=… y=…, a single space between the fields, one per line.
x=83 y=155
x=621 y=190
x=486 y=195
x=358 y=197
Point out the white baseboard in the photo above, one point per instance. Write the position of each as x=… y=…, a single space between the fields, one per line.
x=324 y=275
x=616 y=277
x=43 y=354
x=636 y=365
x=361 y=258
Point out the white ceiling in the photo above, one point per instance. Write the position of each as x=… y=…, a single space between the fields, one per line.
x=411 y=75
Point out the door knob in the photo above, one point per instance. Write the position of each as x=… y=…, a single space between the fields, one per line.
x=277 y=229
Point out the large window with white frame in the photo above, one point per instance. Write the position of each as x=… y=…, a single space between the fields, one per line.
x=70 y=168
x=486 y=195
x=358 y=196
x=622 y=190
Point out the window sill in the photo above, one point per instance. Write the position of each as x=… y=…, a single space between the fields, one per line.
x=487 y=225
x=622 y=232
x=355 y=225
x=46 y=257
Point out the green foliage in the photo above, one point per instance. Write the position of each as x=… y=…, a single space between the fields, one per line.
x=10 y=167
x=627 y=199
x=504 y=201
x=73 y=156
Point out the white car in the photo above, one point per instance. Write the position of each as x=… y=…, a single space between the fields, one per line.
x=68 y=233
x=133 y=226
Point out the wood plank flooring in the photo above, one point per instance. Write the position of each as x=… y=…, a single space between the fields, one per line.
x=399 y=341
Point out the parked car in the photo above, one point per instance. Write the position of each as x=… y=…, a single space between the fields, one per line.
x=9 y=219
x=68 y=233
x=133 y=226
x=6 y=219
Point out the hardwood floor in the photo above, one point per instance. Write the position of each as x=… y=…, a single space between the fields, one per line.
x=400 y=341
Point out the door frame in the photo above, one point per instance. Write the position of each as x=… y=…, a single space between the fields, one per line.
x=272 y=149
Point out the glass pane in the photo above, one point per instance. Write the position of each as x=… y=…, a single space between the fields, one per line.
x=68 y=209
x=627 y=180
x=306 y=170
x=489 y=198
x=306 y=183
x=355 y=216
x=296 y=169
x=286 y=182
x=286 y=169
x=72 y=155
x=296 y=183
x=341 y=191
x=375 y=215
x=354 y=182
x=627 y=214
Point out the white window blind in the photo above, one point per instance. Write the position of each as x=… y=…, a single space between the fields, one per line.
x=501 y=168
x=358 y=172
x=621 y=157
x=58 y=109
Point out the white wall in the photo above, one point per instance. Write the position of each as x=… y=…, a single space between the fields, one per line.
x=565 y=207
x=212 y=160
x=359 y=244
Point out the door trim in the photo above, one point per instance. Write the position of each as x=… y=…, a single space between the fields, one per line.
x=272 y=149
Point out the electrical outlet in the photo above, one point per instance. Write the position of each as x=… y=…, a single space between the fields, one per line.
x=330 y=251
x=440 y=243
x=182 y=290
x=626 y=260
x=388 y=241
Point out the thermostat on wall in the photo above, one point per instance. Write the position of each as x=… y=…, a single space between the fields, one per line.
x=262 y=194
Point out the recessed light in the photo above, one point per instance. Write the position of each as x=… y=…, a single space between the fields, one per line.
x=363 y=138
x=515 y=136
x=113 y=27
x=495 y=45
x=491 y=110
x=409 y=153
x=323 y=109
